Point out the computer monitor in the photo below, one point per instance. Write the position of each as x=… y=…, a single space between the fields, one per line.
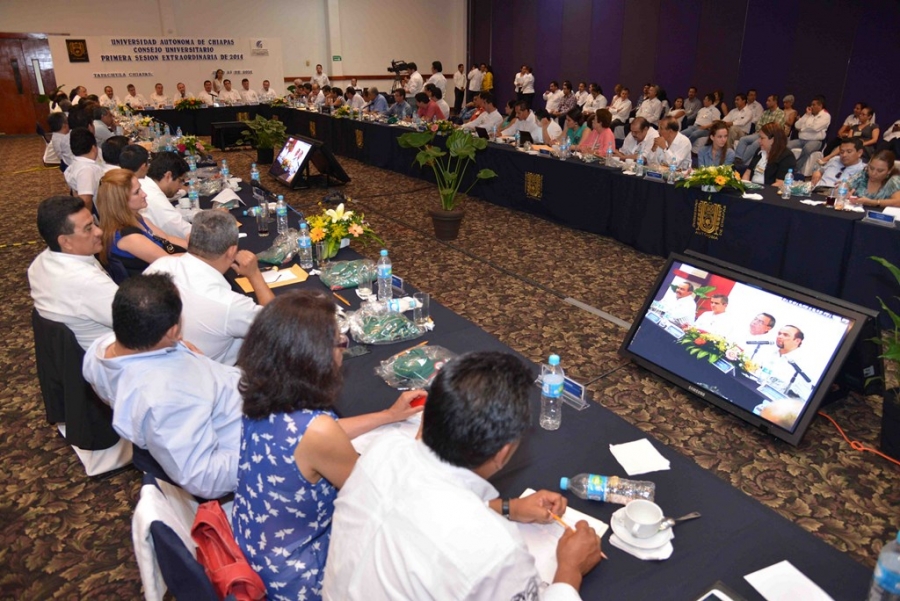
x=760 y=348
x=291 y=159
x=292 y=164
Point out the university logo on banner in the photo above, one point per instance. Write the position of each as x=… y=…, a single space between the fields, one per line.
x=709 y=218
x=534 y=185
x=78 y=52
x=258 y=47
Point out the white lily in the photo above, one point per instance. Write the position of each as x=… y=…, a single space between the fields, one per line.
x=338 y=214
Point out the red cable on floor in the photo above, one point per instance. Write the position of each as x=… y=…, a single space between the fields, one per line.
x=855 y=444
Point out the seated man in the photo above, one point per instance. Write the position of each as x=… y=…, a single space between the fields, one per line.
x=405 y=496
x=83 y=175
x=437 y=95
x=781 y=364
x=112 y=151
x=428 y=108
x=158 y=98
x=215 y=318
x=67 y=283
x=228 y=95
x=267 y=94
x=109 y=99
x=811 y=129
x=845 y=165
x=738 y=120
x=401 y=109
x=489 y=119
x=717 y=320
x=639 y=142
x=523 y=121
x=679 y=304
x=547 y=128
x=748 y=145
x=182 y=93
x=59 y=139
x=181 y=407
x=566 y=102
x=651 y=107
x=207 y=96
x=163 y=181
x=595 y=100
x=135 y=158
x=758 y=335
x=104 y=125
x=133 y=99
x=706 y=116
x=376 y=102
x=248 y=96
x=671 y=146
x=620 y=108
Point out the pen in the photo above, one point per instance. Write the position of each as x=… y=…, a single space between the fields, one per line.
x=341 y=298
x=423 y=343
x=566 y=526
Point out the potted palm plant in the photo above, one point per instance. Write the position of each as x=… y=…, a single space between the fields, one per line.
x=265 y=135
x=449 y=168
x=890 y=341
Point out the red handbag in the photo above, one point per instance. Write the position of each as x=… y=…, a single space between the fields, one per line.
x=222 y=558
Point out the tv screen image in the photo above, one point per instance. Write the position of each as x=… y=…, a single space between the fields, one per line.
x=290 y=160
x=764 y=351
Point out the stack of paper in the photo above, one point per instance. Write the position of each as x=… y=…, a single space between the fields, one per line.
x=639 y=457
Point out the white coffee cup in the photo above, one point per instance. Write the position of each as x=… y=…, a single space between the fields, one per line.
x=642 y=518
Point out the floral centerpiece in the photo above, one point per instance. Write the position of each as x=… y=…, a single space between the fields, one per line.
x=711 y=347
x=189 y=104
x=442 y=127
x=342 y=111
x=143 y=121
x=278 y=102
x=714 y=178
x=190 y=145
x=123 y=109
x=333 y=225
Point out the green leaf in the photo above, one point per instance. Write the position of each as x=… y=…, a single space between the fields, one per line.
x=702 y=354
x=486 y=174
x=890 y=267
x=713 y=358
x=702 y=291
x=416 y=139
x=894 y=317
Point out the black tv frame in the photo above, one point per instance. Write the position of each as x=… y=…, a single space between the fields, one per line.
x=330 y=173
x=855 y=343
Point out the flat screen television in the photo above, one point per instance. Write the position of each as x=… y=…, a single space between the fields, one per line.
x=760 y=348
x=291 y=159
x=292 y=164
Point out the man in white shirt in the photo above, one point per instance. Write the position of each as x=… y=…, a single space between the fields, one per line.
x=892 y=137
x=547 y=130
x=475 y=77
x=552 y=97
x=207 y=96
x=581 y=94
x=164 y=179
x=416 y=83
x=357 y=102
x=438 y=79
x=706 y=116
x=639 y=142
x=489 y=119
x=180 y=406
x=523 y=121
x=811 y=129
x=759 y=335
x=214 y=317
x=459 y=87
x=671 y=146
x=595 y=99
x=756 y=109
x=83 y=175
x=717 y=320
x=692 y=105
x=620 y=108
x=228 y=94
x=845 y=165
x=248 y=96
x=738 y=120
x=158 y=98
x=104 y=125
x=267 y=94
x=651 y=108
x=316 y=96
x=67 y=283
x=109 y=99
x=182 y=93
x=133 y=99
x=320 y=78
x=406 y=495
x=59 y=139
x=782 y=364
x=680 y=306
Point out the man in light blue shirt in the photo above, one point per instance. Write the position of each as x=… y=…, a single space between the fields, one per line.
x=377 y=102
x=167 y=398
x=845 y=165
x=401 y=109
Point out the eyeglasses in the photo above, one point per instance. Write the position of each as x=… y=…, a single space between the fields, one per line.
x=342 y=342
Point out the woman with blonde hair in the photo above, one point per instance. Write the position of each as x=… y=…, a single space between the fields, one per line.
x=128 y=237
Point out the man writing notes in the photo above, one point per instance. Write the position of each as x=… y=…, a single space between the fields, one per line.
x=639 y=142
x=406 y=495
x=671 y=146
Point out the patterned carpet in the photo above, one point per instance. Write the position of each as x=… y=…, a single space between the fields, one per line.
x=66 y=536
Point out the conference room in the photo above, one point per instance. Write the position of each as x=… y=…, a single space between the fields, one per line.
x=553 y=257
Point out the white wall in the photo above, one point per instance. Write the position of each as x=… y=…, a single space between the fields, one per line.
x=371 y=32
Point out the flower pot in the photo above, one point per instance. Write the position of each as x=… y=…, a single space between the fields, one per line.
x=711 y=188
x=890 y=423
x=265 y=156
x=446 y=223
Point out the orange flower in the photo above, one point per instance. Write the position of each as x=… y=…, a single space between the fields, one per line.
x=721 y=180
x=356 y=230
x=317 y=234
x=700 y=341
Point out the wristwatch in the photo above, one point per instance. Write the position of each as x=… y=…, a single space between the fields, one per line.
x=504 y=508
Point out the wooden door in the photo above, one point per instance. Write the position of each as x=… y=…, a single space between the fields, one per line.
x=23 y=59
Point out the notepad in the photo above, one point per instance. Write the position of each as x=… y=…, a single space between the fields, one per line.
x=784 y=582
x=282 y=277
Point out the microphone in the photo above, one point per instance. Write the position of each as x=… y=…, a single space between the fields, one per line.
x=798 y=370
x=760 y=342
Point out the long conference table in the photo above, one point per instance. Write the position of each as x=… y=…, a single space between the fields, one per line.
x=737 y=535
x=821 y=249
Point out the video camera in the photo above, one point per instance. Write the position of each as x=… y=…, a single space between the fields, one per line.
x=399 y=68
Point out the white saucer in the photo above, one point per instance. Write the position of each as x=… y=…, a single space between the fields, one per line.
x=657 y=540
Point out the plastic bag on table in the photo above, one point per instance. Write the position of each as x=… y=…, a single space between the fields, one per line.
x=414 y=368
x=338 y=275
x=282 y=249
x=374 y=324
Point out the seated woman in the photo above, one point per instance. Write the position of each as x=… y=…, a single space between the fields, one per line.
x=878 y=185
x=334 y=99
x=773 y=160
x=575 y=127
x=720 y=102
x=677 y=111
x=865 y=130
x=295 y=453
x=510 y=112
x=600 y=137
x=790 y=114
x=716 y=151
x=127 y=236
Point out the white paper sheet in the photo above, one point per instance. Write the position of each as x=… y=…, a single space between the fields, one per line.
x=639 y=457
x=283 y=275
x=783 y=582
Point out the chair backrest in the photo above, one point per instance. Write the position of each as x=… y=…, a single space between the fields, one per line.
x=67 y=397
x=114 y=266
x=166 y=555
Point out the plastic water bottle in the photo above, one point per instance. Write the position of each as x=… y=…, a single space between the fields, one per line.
x=609 y=155
x=304 y=248
x=178 y=133
x=564 y=150
x=254 y=173
x=226 y=174
x=639 y=166
x=551 y=395
x=886 y=580
x=840 y=199
x=493 y=133
x=788 y=182
x=670 y=179
x=193 y=194
x=608 y=489
x=518 y=139
x=281 y=220
x=119 y=130
x=383 y=267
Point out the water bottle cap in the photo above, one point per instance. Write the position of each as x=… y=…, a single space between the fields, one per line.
x=564 y=483
x=383 y=252
x=280 y=198
x=302 y=226
x=253 y=165
x=554 y=360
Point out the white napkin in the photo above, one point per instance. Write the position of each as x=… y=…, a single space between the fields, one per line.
x=284 y=275
x=226 y=195
x=784 y=582
x=639 y=457
x=658 y=554
x=812 y=203
x=751 y=196
x=854 y=208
